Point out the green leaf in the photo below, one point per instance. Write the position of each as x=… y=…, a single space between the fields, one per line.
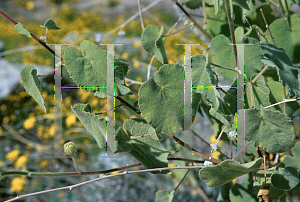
x=224 y=192
x=153 y=43
x=89 y=69
x=295 y=159
x=22 y=30
x=222 y=54
x=269 y=129
x=242 y=3
x=286 y=36
x=32 y=85
x=50 y=25
x=260 y=92
x=226 y=171
x=147 y=150
x=242 y=192
x=205 y=79
x=162 y=102
x=288 y=75
x=193 y=4
x=214 y=27
x=164 y=196
x=285 y=178
x=92 y=123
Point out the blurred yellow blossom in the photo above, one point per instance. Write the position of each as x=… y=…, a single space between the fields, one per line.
x=5 y=119
x=12 y=155
x=17 y=184
x=29 y=123
x=215 y=154
x=21 y=161
x=30 y=5
x=125 y=55
x=213 y=140
x=44 y=163
x=136 y=64
x=39 y=148
x=136 y=44
x=51 y=130
x=71 y=120
x=3 y=107
x=94 y=102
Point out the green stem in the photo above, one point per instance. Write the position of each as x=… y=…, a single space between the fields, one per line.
x=128 y=105
x=75 y=163
x=227 y=7
x=178 y=30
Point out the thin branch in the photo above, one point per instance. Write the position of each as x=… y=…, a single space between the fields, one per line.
x=204 y=13
x=179 y=30
x=140 y=136
x=221 y=134
x=133 y=82
x=245 y=146
x=225 y=92
x=274 y=3
x=227 y=6
x=206 y=35
x=33 y=36
x=182 y=179
x=267 y=26
x=256 y=28
x=140 y=14
x=149 y=67
x=251 y=96
x=194 y=152
x=284 y=101
x=103 y=112
x=128 y=105
x=98 y=179
x=206 y=142
x=287 y=8
x=260 y=73
x=223 y=67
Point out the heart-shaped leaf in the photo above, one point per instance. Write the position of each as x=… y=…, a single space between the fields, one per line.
x=50 y=25
x=285 y=178
x=32 y=85
x=162 y=102
x=164 y=196
x=269 y=129
x=242 y=192
x=226 y=171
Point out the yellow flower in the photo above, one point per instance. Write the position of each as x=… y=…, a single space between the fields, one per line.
x=125 y=55
x=30 y=5
x=5 y=119
x=21 y=161
x=17 y=184
x=51 y=130
x=3 y=107
x=133 y=116
x=234 y=181
x=29 y=123
x=44 y=163
x=1 y=162
x=71 y=120
x=39 y=148
x=215 y=154
x=115 y=172
x=12 y=155
x=136 y=64
x=213 y=140
x=94 y=102
x=136 y=44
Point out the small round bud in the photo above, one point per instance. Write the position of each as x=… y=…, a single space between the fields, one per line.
x=186 y=23
x=70 y=148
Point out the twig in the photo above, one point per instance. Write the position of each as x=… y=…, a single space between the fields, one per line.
x=267 y=26
x=256 y=28
x=287 y=8
x=260 y=73
x=206 y=142
x=274 y=3
x=222 y=67
x=220 y=135
x=194 y=152
x=103 y=112
x=149 y=67
x=128 y=105
x=133 y=82
x=231 y=32
x=33 y=36
x=207 y=36
x=98 y=179
x=179 y=30
x=140 y=136
x=182 y=179
x=284 y=101
x=204 y=13
x=251 y=96
x=246 y=145
x=140 y=14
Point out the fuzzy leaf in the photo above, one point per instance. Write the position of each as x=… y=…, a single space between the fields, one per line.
x=50 y=25
x=153 y=43
x=295 y=159
x=147 y=150
x=93 y=124
x=32 y=85
x=269 y=129
x=164 y=196
x=285 y=178
x=242 y=192
x=226 y=171
x=288 y=75
x=22 y=30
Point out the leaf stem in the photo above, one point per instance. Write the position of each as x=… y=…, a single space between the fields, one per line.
x=213 y=64
x=245 y=146
x=267 y=26
x=227 y=6
x=194 y=152
x=75 y=163
x=140 y=14
x=179 y=30
x=103 y=112
x=206 y=35
x=128 y=105
x=182 y=179
x=260 y=73
x=284 y=101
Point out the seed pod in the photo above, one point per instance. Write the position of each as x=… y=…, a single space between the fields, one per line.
x=70 y=148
